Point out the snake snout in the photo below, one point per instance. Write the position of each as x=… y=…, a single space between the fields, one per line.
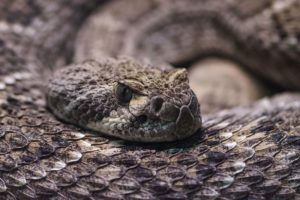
x=168 y=111
x=185 y=117
x=189 y=117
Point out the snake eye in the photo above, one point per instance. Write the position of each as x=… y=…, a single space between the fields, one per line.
x=124 y=93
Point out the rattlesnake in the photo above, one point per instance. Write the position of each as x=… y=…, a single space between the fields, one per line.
x=249 y=152
x=261 y=35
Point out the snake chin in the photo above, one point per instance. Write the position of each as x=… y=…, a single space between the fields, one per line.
x=151 y=131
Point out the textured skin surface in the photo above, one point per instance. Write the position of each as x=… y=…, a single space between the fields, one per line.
x=249 y=152
x=162 y=107
x=261 y=35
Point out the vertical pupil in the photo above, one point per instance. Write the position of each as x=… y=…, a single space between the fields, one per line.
x=125 y=91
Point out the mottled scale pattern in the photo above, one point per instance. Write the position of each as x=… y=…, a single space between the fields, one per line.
x=248 y=152
x=262 y=35
x=244 y=153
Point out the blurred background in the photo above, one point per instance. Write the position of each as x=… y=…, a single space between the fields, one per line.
x=236 y=51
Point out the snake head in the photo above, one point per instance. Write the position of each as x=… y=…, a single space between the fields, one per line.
x=126 y=99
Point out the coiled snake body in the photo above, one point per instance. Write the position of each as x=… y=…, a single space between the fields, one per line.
x=249 y=152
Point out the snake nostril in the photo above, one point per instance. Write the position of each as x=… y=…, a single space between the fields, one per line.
x=142 y=119
x=156 y=104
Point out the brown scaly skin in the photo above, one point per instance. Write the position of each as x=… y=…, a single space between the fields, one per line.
x=176 y=31
x=245 y=153
x=261 y=35
x=161 y=106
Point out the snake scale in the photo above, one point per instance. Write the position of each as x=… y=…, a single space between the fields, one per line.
x=247 y=152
